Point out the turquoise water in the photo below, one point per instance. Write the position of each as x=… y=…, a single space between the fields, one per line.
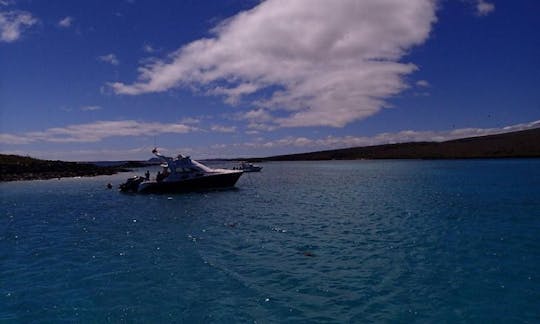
x=336 y=241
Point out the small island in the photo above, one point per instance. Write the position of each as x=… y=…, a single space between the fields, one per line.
x=15 y=167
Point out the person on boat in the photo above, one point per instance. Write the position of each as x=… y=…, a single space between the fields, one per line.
x=147 y=175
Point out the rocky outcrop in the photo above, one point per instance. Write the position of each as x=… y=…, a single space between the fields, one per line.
x=14 y=167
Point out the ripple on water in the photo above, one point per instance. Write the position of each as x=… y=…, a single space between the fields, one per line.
x=337 y=241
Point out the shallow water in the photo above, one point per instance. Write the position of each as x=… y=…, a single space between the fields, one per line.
x=335 y=241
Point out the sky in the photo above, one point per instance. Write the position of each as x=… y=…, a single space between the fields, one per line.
x=110 y=80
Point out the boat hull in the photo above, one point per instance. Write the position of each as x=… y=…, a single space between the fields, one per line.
x=206 y=182
x=253 y=169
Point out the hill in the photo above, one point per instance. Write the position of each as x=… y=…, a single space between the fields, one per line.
x=15 y=167
x=508 y=145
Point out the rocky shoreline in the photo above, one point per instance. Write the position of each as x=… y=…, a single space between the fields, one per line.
x=17 y=168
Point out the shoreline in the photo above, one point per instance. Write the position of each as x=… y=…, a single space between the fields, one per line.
x=55 y=175
x=519 y=144
x=21 y=168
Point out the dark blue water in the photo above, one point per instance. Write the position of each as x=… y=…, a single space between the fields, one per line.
x=358 y=241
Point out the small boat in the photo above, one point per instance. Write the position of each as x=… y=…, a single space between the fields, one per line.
x=181 y=174
x=248 y=167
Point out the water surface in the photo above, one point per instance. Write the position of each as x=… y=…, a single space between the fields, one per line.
x=334 y=241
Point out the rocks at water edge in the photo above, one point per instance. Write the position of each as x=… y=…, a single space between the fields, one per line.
x=15 y=167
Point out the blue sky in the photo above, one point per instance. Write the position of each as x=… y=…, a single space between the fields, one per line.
x=108 y=80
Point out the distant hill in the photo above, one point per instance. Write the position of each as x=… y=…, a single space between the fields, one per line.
x=508 y=145
x=15 y=167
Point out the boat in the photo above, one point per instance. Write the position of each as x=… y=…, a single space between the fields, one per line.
x=248 y=167
x=181 y=174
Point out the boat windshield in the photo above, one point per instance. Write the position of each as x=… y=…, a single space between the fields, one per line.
x=201 y=166
x=186 y=165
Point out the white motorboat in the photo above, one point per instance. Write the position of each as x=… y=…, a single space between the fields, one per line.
x=182 y=174
x=248 y=167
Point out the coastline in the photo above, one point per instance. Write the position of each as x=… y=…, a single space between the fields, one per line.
x=20 y=168
x=520 y=144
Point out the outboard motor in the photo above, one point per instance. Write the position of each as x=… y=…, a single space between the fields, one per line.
x=132 y=184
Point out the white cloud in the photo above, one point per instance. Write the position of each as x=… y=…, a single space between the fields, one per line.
x=66 y=22
x=484 y=8
x=257 y=115
x=190 y=120
x=223 y=129
x=91 y=108
x=14 y=139
x=423 y=84
x=109 y=58
x=94 y=132
x=14 y=23
x=322 y=62
x=147 y=48
x=234 y=94
x=261 y=126
x=259 y=120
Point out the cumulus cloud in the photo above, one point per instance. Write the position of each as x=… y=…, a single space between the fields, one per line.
x=109 y=58
x=66 y=22
x=259 y=119
x=14 y=23
x=320 y=62
x=94 y=132
x=484 y=8
x=257 y=115
x=223 y=129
